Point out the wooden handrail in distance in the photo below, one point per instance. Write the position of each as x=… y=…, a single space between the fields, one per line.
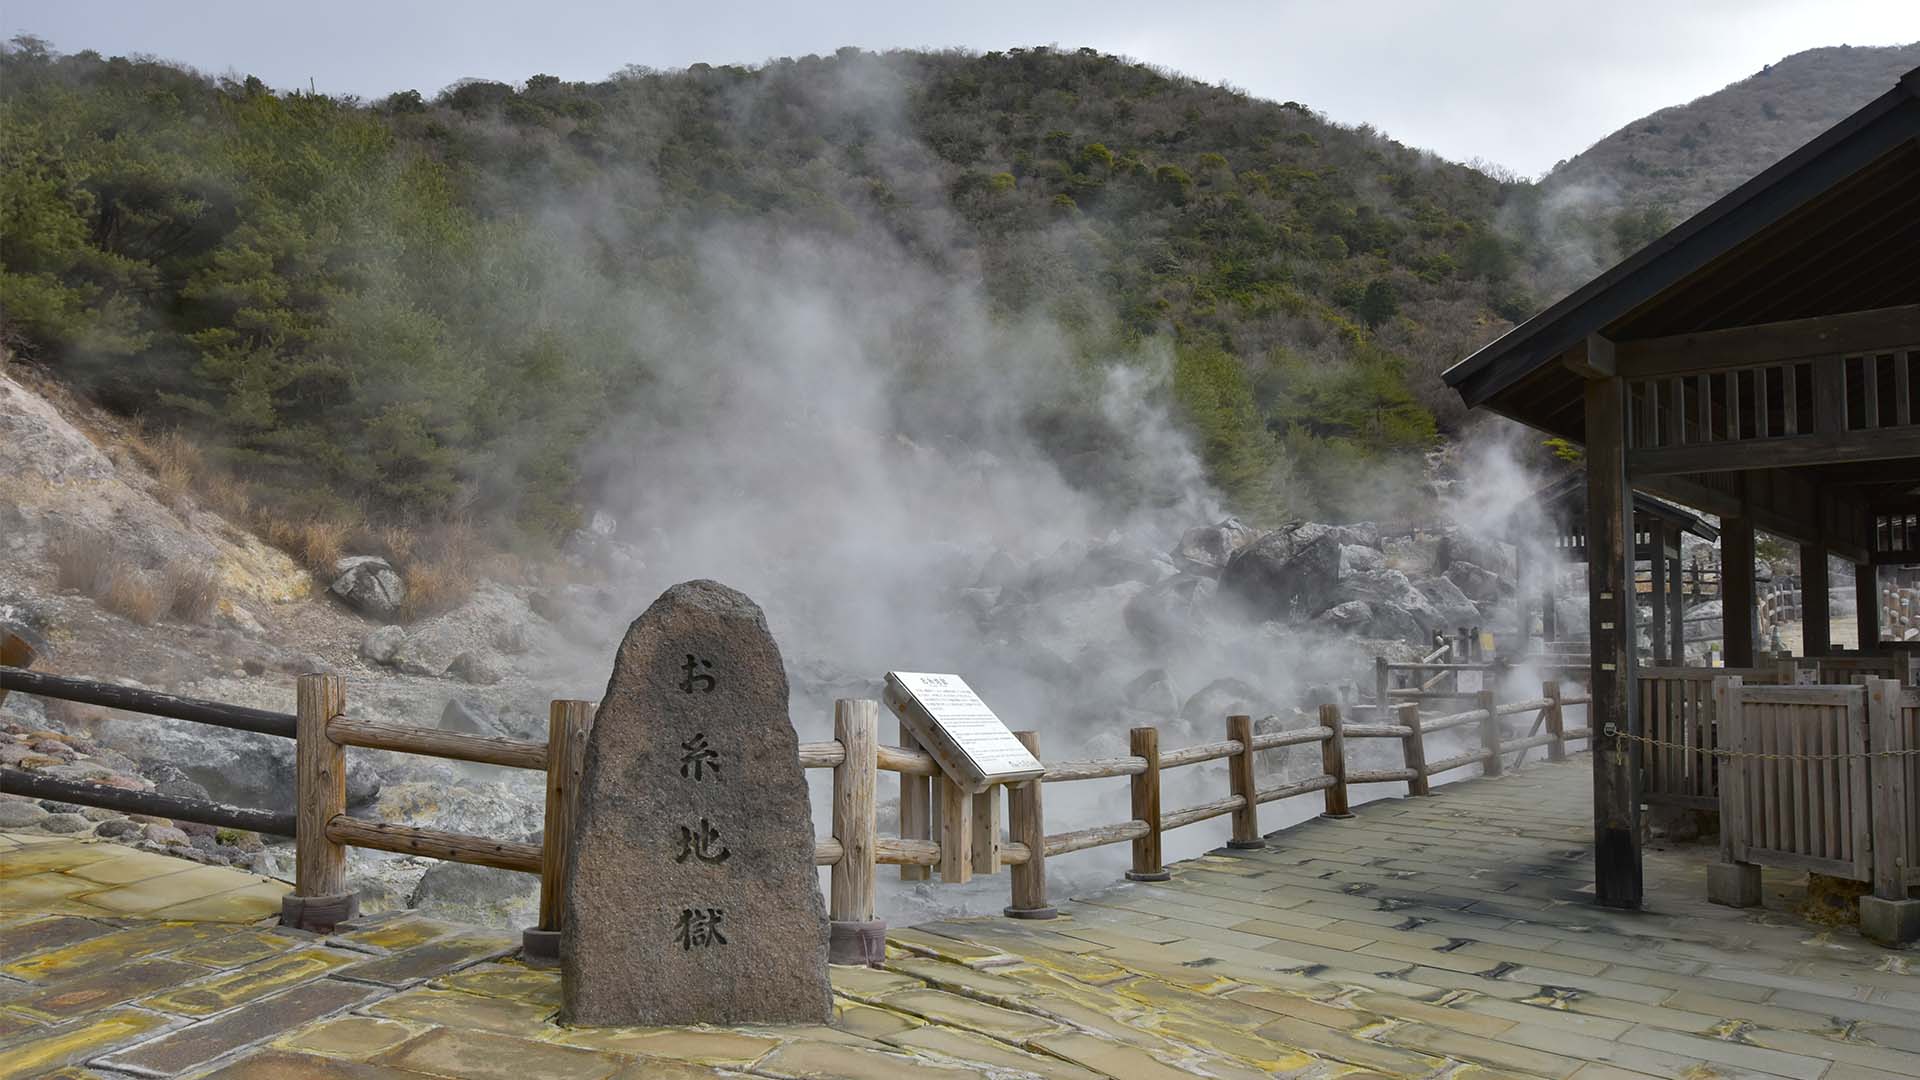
x=434 y=844
x=113 y=696
x=430 y=742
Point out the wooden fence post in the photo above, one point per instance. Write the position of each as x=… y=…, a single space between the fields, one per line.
x=1413 y=748
x=986 y=830
x=1246 y=818
x=956 y=831
x=1144 y=742
x=855 y=937
x=916 y=808
x=1027 y=825
x=1333 y=760
x=1889 y=916
x=1556 y=721
x=567 y=725
x=1382 y=689
x=1490 y=733
x=320 y=900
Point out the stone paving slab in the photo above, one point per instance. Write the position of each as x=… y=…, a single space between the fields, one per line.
x=1446 y=937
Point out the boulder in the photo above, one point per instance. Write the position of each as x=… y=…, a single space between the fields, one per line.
x=1353 y=615
x=239 y=767
x=1207 y=549
x=1477 y=583
x=1414 y=555
x=1165 y=614
x=1274 y=579
x=1208 y=709
x=370 y=585
x=383 y=644
x=1390 y=587
x=1495 y=555
x=1390 y=621
x=1152 y=692
x=1113 y=564
x=475 y=668
x=476 y=895
x=1454 y=608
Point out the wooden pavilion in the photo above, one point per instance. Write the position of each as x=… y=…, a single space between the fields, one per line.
x=1755 y=363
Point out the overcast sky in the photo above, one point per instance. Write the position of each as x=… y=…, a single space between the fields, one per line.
x=1523 y=83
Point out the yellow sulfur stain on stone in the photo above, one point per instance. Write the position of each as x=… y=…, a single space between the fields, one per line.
x=114 y=949
x=1269 y=1055
x=515 y=981
x=400 y=933
x=967 y=1046
x=223 y=992
x=701 y=1046
x=75 y=1042
x=55 y=857
x=241 y=947
x=248 y=904
x=956 y=1011
x=871 y=1022
x=354 y=1038
x=451 y=1008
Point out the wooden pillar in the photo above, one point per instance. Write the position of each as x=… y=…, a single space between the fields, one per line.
x=1382 y=689
x=1027 y=825
x=1549 y=612
x=1522 y=608
x=1866 y=603
x=1413 y=747
x=1676 y=609
x=1556 y=721
x=1246 y=817
x=1489 y=705
x=320 y=900
x=1736 y=590
x=986 y=831
x=568 y=723
x=1144 y=742
x=1816 y=618
x=1657 y=591
x=916 y=808
x=1333 y=761
x=851 y=884
x=956 y=831
x=1616 y=799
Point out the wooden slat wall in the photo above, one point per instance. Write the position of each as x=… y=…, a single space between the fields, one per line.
x=1798 y=812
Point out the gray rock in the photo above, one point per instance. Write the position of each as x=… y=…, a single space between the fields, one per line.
x=1208 y=709
x=476 y=895
x=167 y=835
x=383 y=644
x=1362 y=558
x=1388 y=620
x=1166 y=613
x=239 y=767
x=1001 y=571
x=19 y=814
x=1351 y=615
x=116 y=827
x=1206 y=550
x=1475 y=582
x=370 y=585
x=1453 y=606
x=472 y=667
x=183 y=788
x=65 y=823
x=1275 y=579
x=1152 y=692
x=694 y=897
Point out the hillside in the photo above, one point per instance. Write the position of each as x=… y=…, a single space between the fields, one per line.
x=1603 y=204
x=433 y=304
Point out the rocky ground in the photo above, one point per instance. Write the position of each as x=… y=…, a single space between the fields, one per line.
x=1091 y=638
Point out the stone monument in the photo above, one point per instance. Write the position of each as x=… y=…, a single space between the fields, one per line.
x=692 y=895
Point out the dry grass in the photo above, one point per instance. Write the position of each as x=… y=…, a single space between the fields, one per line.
x=177 y=464
x=441 y=574
x=316 y=543
x=82 y=560
x=193 y=591
x=136 y=596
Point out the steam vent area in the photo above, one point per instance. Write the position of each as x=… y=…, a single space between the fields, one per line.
x=1453 y=935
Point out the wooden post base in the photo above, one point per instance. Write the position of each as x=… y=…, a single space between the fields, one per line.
x=1143 y=875
x=1890 y=922
x=318 y=914
x=1247 y=845
x=862 y=944
x=540 y=948
x=1030 y=913
x=1734 y=884
x=1338 y=817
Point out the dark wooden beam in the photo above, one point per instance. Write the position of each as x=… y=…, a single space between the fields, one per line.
x=1769 y=343
x=1834 y=447
x=1736 y=589
x=1616 y=798
x=1591 y=359
x=1816 y=617
x=1866 y=603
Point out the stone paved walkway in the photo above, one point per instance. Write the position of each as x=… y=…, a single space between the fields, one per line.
x=1443 y=937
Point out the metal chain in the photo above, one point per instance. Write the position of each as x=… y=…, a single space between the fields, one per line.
x=1622 y=738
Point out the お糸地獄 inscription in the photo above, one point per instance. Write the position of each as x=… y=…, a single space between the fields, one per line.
x=692 y=895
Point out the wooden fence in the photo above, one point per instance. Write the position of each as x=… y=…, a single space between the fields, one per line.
x=1822 y=779
x=944 y=830
x=1677 y=708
